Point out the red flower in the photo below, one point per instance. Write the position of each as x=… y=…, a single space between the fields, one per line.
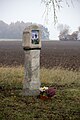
x=50 y=92
x=47 y=94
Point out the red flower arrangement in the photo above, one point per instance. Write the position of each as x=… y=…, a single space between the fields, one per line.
x=46 y=93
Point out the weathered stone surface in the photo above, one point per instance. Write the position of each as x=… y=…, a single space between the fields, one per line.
x=31 y=82
x=27 y=36
x=32 y=44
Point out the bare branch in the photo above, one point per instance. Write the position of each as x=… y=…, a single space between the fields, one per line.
x=55 y=5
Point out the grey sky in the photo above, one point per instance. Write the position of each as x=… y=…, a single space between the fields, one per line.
x=33 y=10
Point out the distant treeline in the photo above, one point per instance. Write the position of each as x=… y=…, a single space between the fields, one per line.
x=15 y=30
x=65 y=34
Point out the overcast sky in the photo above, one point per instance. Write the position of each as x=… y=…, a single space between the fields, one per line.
x=33 y=11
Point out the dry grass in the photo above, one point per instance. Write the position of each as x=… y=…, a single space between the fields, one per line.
x=65 y=105
x=56 y=76
x=60 y=76
x=11 y=76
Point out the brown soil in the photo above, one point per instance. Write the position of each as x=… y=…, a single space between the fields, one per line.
x=64 y=54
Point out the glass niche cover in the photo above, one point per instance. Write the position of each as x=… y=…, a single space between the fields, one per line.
x=35 y=36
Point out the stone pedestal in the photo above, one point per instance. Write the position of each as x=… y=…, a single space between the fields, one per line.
x=31 y=83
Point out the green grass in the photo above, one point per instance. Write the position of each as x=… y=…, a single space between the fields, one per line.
x=65 y=105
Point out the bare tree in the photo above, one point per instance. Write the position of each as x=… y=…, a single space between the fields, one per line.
x=64 y=31
x=55 y=5
x=74 y=35
x=62 y=28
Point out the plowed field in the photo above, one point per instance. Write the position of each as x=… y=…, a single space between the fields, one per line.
x=64 y=54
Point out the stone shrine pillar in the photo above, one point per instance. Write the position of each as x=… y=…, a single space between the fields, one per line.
x=32 y=44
